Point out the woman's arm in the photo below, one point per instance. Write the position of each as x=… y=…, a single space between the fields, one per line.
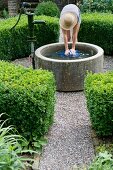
x=75 y=35
x=65 y=36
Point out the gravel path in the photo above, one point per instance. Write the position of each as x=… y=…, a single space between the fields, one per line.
x=69 y=142
x=69 y=139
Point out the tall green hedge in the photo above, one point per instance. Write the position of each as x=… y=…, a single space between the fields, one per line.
x=99 y=95
x=28 y=97
x=14 y=44
x=97 y=28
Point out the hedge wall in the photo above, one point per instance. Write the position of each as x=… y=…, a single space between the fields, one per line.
x=99 y=94
x=28 y=97
x=97 y=28
x=14 y=44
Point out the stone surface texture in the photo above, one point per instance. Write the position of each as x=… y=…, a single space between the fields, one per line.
x=70 y=74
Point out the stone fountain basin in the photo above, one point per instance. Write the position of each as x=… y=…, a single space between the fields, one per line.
x=70 y=74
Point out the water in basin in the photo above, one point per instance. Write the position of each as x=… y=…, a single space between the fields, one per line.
x=79 y=54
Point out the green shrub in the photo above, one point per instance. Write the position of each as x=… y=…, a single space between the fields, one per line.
x=97 y=28
x=103 y=161
x=47 y=8
x=14 y=44
x=28 y=97
x=99 y=95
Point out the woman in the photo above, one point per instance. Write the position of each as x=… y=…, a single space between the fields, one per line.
x=69 y=24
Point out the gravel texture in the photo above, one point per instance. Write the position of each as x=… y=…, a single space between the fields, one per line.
x=108 y=63
x=69 y=139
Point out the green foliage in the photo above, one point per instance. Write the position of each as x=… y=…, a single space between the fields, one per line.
x=47 y=8
x=5 y=13
x=47 y=0
x=99 y=95
x=97 y=28
x=104 y=147
x=11 y=157
x=14 y=44
x=103 y=161
x=28 y=97
x=97 y=6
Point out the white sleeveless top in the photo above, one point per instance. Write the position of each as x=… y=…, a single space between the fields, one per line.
x=72 y=8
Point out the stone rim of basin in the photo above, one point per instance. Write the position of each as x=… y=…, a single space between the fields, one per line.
x=39 y=51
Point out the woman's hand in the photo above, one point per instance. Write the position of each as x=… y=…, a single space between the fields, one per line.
x=72 y=51
x=67 y=52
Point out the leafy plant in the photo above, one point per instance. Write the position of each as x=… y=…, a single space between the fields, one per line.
x=103 y=161
x=96 y=6
x=39 y=143
x=5 y=13
x=11 y=157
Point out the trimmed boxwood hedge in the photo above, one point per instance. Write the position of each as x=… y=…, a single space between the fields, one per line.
x=99 y=94
x=28 y=97
x=97 y=28
x=14 y=44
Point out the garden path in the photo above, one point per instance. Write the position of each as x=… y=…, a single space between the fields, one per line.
x=69 y=139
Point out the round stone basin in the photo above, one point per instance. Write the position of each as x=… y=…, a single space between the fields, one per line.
x=70 y=73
